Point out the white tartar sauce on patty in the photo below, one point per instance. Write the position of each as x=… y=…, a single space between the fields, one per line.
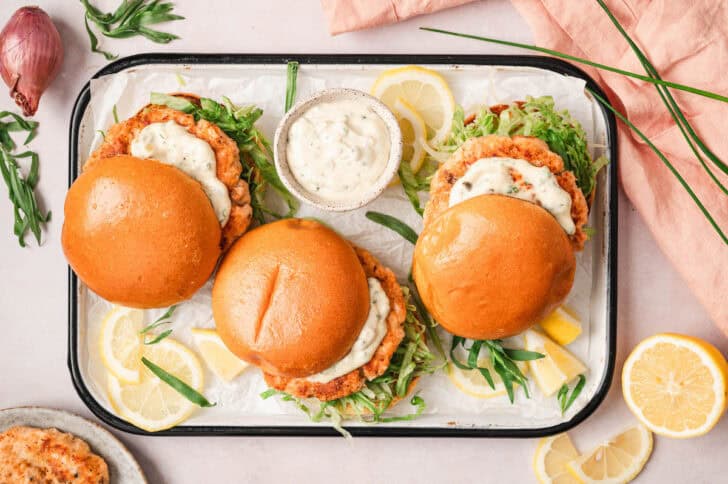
x=518 y=179
x=372 y=334
x=173 y=145
x=337 y=150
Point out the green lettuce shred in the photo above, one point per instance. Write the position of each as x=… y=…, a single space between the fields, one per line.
x=412 y=359
x=534 y=117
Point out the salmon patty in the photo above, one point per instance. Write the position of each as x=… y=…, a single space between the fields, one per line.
x=354 y=381
x=47 y=456
x=118 y=141
x=526 y=148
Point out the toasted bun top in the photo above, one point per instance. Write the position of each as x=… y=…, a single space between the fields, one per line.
x=140 y=233
x=290 y=297
x=492 y=266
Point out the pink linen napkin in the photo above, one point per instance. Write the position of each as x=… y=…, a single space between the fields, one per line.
x=348 y=15
x=688 y=43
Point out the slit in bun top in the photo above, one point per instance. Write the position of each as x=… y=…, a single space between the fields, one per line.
x=501 y=227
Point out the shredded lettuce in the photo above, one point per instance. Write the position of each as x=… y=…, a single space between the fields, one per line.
x=411 y=359
x=535 y=117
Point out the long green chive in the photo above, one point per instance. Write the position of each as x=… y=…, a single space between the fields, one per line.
x=292 y=74
x=666 y=162
x=181 y=387
x=580 y=60
x=394 y=224
x=677 y=114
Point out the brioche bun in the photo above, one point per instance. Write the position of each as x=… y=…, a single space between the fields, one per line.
x=492 y=266
x=140 y=233
x=290 y=297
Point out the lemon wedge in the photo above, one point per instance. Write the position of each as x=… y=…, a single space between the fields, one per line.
x=414 y=134
x=152 y=404
x=561 y=326
x=676 y=385
x=552 y=455
x=218 y=357
x=423 y=89
x=617 y=461
x=473 y=383
x=120 y=343
x=558 y=366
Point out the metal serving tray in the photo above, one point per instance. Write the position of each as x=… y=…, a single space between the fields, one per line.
x=605 y=277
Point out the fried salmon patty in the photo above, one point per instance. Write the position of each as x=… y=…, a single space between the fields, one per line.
x=526 y=148
x=354 y=381
x=47 y=456
x=118 y=141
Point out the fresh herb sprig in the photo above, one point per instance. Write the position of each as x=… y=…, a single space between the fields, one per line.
x=565 y=401
x=291 y=78
x=394 y=224
x=238 y=122
x=131 y=18
x=181 y=387
x=21 y=189
x=412 y=359
x=163 y=319
x=503 y=361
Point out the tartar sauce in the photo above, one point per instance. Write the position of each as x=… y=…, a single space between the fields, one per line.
x=372 y=334
x=519 y=179
x=337 y=150
x=173 y=145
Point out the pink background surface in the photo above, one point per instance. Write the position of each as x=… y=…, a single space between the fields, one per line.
x=33 y=294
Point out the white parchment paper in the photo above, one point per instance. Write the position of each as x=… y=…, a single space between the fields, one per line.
x=238 y=403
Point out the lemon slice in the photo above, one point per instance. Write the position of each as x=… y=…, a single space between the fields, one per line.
x=120 y=343
x=558 y=367
x=423 y=89
x=152 y=404
x=473 y=383
x=561 y=326
x=218 y=357
x=617 y=461
x=414 y=134
x=552 y=455
x=676 y=385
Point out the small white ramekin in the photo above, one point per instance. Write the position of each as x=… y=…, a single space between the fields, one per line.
x=280 y=144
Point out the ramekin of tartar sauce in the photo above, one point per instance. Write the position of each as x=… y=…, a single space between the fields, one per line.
x=338 y=150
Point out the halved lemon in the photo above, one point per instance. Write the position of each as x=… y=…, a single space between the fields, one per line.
x=618 y=460
x=152 y=404
x=558 y=367
x=120 y=343
x=552 y=455
x=414 y=134
x=562 y=326
x=676 y=384
x=218 y=357
x=423 y=89
x=473 y=383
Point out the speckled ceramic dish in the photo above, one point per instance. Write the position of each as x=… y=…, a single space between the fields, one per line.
x=123 y=468
x=280 y=144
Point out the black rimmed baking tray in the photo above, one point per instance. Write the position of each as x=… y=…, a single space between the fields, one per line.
x=607 y=243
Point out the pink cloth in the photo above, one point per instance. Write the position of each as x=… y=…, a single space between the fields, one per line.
x=348 y=15
x=688 y=43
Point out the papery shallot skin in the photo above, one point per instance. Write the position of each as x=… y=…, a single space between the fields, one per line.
x=31 y=54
